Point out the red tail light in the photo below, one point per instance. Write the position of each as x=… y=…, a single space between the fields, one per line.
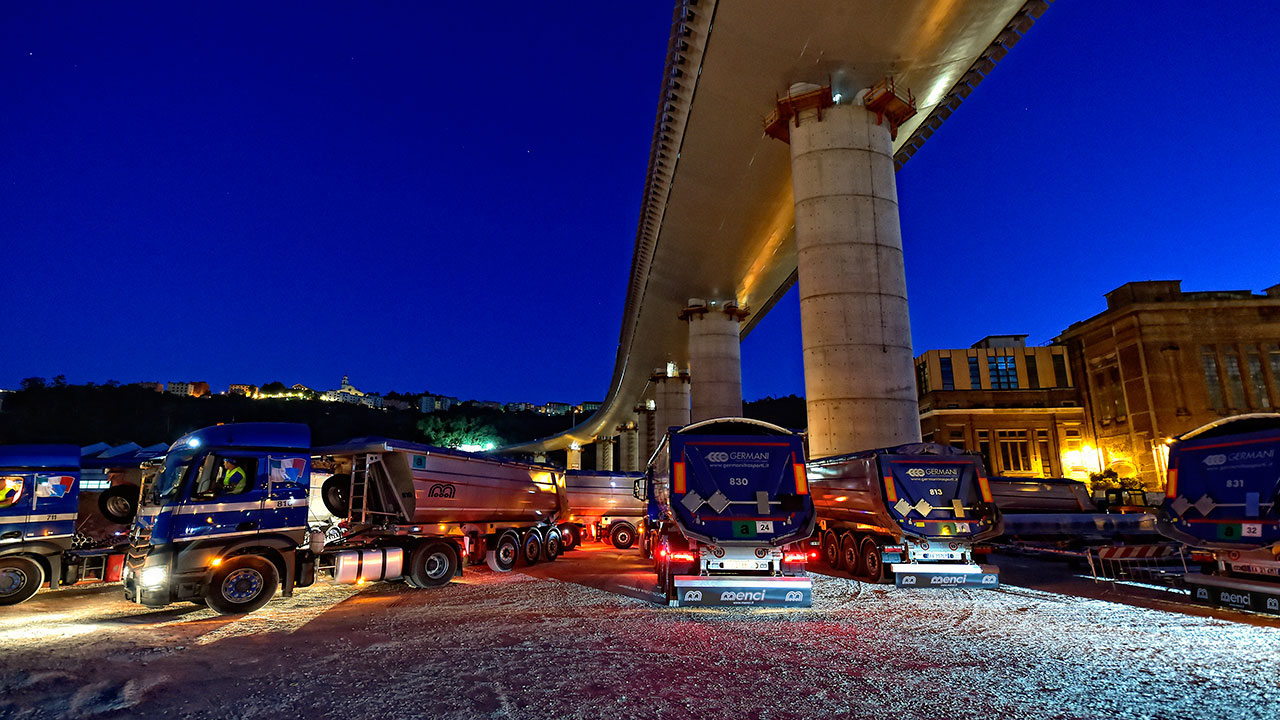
x=794 y=557
x=662 y=552
x=684 y=556
x=813 y=554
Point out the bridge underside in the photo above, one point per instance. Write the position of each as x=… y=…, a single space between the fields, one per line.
x=718 y=216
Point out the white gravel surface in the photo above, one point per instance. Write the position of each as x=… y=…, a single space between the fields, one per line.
x=572 y=640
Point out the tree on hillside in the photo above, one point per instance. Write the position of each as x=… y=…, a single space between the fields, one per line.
x=456 y=431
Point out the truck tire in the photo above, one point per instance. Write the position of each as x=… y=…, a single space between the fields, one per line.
x=119 y=503
x=553 y=545
x=432 y=565
x=242 y=584
x=849 y=554
x=531 y=547
x=622 y=536
x=505 y=552
x=831 y=549
x=872 y=561
x=571 y=537
x=336 y=494
x=20 y=578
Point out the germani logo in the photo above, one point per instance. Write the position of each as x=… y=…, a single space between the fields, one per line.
x=1215 y=460
x=693 y=596
x=718 y=457
x=916 y=472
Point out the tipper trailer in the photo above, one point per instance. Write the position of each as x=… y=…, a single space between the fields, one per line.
x=229 y=517
x=731 y=515
x=52 y=532
x=602 y=506
x=1222 y=499
x=913 y=512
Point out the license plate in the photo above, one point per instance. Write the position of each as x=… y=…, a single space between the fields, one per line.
x=1256 y=569
x=740 y=565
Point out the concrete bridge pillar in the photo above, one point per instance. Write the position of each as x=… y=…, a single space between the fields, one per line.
x=715 y=359
x=646 y=441
x=604 y=454
x=573 y=459
x=671 y=402
x=627 y=461
x=858 y=368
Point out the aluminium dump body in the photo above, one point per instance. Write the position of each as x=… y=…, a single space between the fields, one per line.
x=920 y=490
x=597 y=493
x=734 y=489
x=1040 y=495
x=1224 y=486
x=436 y=485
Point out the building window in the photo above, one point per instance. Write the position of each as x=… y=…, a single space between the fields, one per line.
x=1033 y=373
x=1256 y=381
x=1003 y=372
x=1210 y=361
x=1046 y=457
x=1015 y=453
x=1235 y=381
x=922 y=378
x=975 y=378
x=984 y=449
x=1117 y=394
x=1102 y=404
x=956 y=439
x=948 y=379
x=1059 y=370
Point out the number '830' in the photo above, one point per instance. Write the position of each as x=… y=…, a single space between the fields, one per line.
x=737 y=481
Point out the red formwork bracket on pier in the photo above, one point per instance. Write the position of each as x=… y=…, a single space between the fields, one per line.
x=887 y=102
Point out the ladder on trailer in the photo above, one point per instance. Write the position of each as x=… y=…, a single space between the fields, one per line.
x=369 y=484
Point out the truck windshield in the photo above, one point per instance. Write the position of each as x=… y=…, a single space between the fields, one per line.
x=170 y=480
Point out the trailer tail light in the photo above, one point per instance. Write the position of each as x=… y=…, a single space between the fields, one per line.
x=678 y=480
x=895 y=549
x=802 y=481
x=1171 y=487
x=890 y=492
x=794 y=557
x=813 y=554
x=682 y=556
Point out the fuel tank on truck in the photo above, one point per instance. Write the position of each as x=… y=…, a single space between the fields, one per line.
x=596 y=493
x=1223 y=486
x=919 y=490
x=438 y=485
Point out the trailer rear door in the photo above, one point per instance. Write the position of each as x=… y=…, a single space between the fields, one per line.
x=938 y=496
x=1225 y=489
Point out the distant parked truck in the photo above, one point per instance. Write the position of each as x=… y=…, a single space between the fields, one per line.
x=602 y=506
x=228 y=520
x=917 y=508
x=1223 y=487
x=731 y=515
x=44 y=519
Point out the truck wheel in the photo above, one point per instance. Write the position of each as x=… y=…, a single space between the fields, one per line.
x=572 y=538
x=532 y=547
x=242 y=584
x=622 y=536
x=872 y=561
x=336 y=493
x=432 y=565
x=849 y=554
x=119 y=503
x=831 y=549
x=553 y=546
x=504 y=554
x=20 y=578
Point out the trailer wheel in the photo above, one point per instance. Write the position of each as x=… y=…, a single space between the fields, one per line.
x=622 y=536
x=336 y=493
x=849 y=554
x=532 y=547
x=119 y=503
x=242 y=584
x=831 y=549
x=572 y=538
x=20 y=578
x=553 y=546
x=432 y=565
x=504 y=554
x=872 y=561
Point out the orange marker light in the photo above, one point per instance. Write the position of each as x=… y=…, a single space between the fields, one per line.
x=678 y=481
x=889 y=490
x=1171 y=487
x=802 y=481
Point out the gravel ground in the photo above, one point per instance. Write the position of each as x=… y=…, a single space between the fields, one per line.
x=582 y=638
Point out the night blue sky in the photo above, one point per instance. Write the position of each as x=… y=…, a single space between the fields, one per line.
x=428 y=198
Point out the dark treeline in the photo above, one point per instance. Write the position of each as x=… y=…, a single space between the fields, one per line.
x=86 y=414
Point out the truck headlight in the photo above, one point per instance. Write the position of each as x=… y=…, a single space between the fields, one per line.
x=153 y=577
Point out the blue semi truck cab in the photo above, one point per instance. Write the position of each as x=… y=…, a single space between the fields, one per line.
x=40 y=510
x=729 y=515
